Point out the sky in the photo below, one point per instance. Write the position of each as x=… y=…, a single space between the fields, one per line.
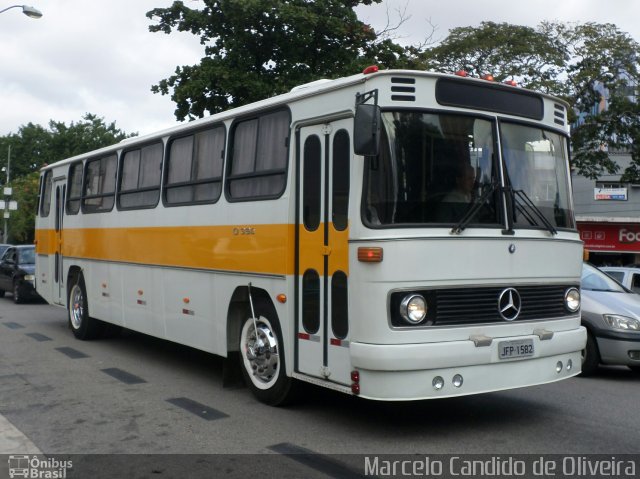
x=99 y=57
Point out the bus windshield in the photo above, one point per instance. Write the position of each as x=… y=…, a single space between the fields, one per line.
x=536 y=166
x=441 y=168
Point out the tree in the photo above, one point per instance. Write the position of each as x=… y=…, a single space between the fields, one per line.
x=603 y=78
x=35 y=146
x=506 y=51
x=255 y=49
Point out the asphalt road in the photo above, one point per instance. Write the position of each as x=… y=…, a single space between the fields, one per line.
x=133 y=394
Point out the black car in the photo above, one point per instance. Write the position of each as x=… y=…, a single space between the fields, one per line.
x=17 y=272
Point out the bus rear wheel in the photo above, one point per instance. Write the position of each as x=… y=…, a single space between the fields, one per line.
x=262 y=361
x=82 y=325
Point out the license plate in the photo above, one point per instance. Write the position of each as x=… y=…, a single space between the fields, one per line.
x=520 y=348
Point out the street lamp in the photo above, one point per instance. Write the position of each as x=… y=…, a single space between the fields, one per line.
x=27 y=10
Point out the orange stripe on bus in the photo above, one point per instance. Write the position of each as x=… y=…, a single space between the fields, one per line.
x=267 y=249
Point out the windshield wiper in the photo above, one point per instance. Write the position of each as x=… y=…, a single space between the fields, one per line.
x=475 y=207
x=520 y=200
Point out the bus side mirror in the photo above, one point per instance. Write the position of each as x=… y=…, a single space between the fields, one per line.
x=366 y=130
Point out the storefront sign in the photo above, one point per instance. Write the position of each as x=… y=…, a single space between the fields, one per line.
x=622 y=238
x=610 y=194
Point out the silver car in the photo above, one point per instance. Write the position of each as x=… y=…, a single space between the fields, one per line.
x=611 y=314
x=628 y=276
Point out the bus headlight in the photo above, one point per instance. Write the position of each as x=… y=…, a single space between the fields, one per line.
x=572 y=299
x=29 y=277
x=413 y=308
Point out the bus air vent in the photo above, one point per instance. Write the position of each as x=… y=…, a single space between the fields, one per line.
x=559 y=114
x=403 y=89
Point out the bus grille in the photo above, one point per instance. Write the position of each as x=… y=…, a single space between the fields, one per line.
x=480 y=305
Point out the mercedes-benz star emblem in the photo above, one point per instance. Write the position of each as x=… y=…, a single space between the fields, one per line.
x=509 y=304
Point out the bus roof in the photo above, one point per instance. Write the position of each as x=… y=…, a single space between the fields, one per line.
x=297 y=93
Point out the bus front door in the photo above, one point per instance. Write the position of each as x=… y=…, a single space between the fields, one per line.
x=322 y=329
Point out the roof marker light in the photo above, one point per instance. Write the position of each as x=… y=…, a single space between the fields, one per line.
x=370 y=69
x=488 y=77
x=461 y=73
x=511 y=83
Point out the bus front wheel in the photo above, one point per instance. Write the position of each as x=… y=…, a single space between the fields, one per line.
x=262 y=360
x=82 y=325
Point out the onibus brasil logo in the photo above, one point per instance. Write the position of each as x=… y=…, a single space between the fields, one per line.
x=38 y=468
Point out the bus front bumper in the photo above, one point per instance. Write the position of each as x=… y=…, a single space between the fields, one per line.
x=423 y=371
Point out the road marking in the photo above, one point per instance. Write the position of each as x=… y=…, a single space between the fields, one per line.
x=313 y=460
x=12 y=325
x=72 y=353
x=39 y=337
x=13 y=441
x=200 y=410
x=123 y=376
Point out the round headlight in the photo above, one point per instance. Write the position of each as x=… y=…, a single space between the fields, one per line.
x=572 y=299
x=413 y=308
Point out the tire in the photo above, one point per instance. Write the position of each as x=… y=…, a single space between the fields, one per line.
x=82 y=325
x=1 y=293
x=590 y=356
x=263 y=368
x=17 y=297
x=635 y=369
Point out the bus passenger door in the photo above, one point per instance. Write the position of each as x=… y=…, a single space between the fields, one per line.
x=324 y=157
x=59 y=290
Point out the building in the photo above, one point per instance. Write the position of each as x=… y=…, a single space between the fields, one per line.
x=608 y=215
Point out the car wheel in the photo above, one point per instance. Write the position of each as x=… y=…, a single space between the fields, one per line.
x=262 y=358
x=82 y=325
x=17 y=297
x=635 y=369
x=590 y=356
x=1 y=293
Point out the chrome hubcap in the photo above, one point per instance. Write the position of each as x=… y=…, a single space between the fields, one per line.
x=261 y=352
x=76 y=306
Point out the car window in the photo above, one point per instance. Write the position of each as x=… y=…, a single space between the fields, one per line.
x=635 y=282
x=9 y=255
x=27 y=256
x=617 y=275
x=595 y=280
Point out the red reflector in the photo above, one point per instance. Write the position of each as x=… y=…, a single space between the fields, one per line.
x=355 y=376
x=355 y=389
x=370 y=69
x=303 y=336
x=462 y=73
x=335 y=342
x=370 y=254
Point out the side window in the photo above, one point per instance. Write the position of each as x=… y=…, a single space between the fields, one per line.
x=98 y=194
x=258 y=162
x=194 y=168
x=45 y=199
x=635 y=283
x=140 y=173
x=74 y=188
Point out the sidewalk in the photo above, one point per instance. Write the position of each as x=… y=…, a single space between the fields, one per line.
x=12 y=441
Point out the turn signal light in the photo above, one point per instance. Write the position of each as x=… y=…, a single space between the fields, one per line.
x=370 y=254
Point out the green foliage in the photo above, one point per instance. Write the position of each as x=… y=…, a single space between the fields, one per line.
x=255 y=49
x=22 y=221
x=505 y=51
x=35 y=146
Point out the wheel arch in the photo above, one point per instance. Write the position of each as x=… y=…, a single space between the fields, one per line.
x=239 y=309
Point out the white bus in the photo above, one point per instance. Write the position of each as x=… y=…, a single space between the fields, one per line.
x=396 y=235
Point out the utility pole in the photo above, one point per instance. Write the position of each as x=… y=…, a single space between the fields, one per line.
x=7 y=195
